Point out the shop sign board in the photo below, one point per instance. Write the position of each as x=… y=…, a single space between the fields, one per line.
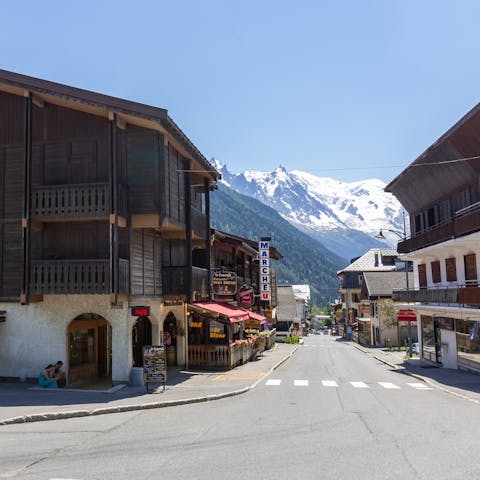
x=264 y=258
x=154 y=364
x=246 y=296
x=224 y=282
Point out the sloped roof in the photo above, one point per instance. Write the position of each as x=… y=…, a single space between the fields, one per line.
x=367 y=262
x=382 y=284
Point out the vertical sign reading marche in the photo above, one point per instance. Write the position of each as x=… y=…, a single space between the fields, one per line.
x=264 y=254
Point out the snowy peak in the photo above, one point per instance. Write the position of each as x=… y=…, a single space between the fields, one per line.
x=321 y=204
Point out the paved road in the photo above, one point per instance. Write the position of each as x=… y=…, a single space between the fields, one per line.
x=330 y=412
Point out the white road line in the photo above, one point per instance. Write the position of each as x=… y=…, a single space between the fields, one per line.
x=419 y=386
x=359 y=384
x=300 y=383
x=329 y=383
x=273 y=381
x=388 y=385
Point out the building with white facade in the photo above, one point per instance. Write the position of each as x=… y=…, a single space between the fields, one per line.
x=440 y=191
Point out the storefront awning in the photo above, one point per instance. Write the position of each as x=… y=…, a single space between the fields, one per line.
x=257 y=316
x=364 y=319
x=233 y=313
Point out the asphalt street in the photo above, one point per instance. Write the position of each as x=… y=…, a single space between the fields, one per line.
x=330 y=412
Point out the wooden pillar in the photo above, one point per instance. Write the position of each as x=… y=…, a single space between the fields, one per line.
x=188 y=235
x=114 y=274
x=208 y=239
x=26 y=220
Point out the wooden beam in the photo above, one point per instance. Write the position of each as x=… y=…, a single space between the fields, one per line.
x=37 y=101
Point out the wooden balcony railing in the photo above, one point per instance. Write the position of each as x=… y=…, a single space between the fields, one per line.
x=220 y=356
x=76 y=277
x=464 y=222
x=461 y=295
x=174 y=281
x=79 y=200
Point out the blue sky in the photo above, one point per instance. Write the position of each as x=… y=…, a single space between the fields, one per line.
x=345 y=89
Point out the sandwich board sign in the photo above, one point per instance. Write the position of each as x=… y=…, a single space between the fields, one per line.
x=154 y=364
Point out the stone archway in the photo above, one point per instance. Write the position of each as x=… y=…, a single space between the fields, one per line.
x=170 y=338
x=89 y=351
x=141 y=335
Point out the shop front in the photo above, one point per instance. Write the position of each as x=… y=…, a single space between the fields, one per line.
x=216 y=336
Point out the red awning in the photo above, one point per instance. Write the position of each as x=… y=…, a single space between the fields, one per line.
x=233 y=313
x=257 y=316
x=406 y=316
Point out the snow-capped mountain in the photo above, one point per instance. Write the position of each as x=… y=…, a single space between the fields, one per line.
x=344 y=216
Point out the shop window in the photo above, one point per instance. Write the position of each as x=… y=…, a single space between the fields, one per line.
x=436 y=277
x=195 y=330
x=451 y=268
x=217 y=334
x=422 y=275
x=468 y=343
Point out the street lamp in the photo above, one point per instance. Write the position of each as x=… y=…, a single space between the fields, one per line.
x=402 y=236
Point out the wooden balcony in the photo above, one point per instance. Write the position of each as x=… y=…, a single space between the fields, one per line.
x=76 y=277
x=462 y=295
x=465 y=221
x=86 y=200
x=174 y=281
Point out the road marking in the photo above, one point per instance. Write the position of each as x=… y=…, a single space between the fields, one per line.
x=329 y=383
x=273 y=381
x=388 y=385
x=359 y=384
x=419 y=386
x=300 y=383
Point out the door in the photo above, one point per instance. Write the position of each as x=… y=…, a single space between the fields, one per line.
x=141 y=335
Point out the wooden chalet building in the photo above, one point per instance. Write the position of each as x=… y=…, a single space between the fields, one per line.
x=102 y=203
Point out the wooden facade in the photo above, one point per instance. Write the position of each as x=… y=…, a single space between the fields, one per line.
x=98 y=195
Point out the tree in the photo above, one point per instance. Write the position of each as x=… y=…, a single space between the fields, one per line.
x=388 y=313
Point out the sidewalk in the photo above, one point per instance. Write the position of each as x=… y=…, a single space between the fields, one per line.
x=24 y=402
x=463 y=384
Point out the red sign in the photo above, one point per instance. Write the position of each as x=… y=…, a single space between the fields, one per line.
x=406 y=316
x=140 y=311
x=246 y=296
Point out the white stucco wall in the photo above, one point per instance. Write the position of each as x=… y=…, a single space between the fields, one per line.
x=37 y=334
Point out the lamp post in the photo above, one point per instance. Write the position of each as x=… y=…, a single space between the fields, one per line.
x=402 y=236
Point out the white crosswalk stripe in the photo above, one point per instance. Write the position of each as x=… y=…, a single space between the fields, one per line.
x=300 y=383
x=329 y=383
x=273 y=381
x=419 y=386
x=334 y=383
x=388 y=385
x=359 y=385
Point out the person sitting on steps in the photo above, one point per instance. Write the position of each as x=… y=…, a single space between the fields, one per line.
x=59 y=374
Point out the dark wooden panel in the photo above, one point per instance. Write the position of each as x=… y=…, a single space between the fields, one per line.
x=470 y=267
x=12 y=119
x=136 y=262
x=148 y=263
x=140 y=152
x=451 y=268
x=13 y=183
x=422 y=275
x=56 y=169
x=436 y=276
x=11 y=271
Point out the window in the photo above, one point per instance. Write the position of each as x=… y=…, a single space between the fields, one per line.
x=451 y=268
x=422 y=275
x=470 y=270
x=436 y=277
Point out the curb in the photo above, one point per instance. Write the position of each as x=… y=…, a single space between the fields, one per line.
x=42 y=417
x=435 y=385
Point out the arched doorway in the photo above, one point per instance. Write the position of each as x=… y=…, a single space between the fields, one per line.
x=141 y=335
x=90 y=351
x=170 y=338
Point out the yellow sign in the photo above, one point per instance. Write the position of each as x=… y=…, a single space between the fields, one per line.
x=196 y=324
